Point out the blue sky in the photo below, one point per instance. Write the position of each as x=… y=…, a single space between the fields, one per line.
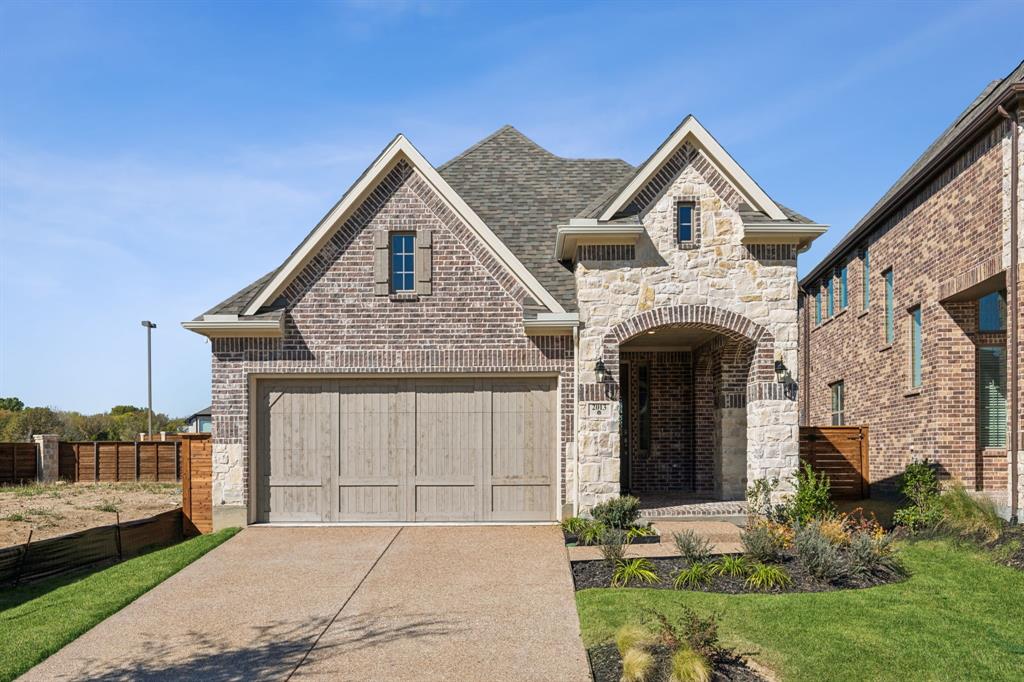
x=155 y=158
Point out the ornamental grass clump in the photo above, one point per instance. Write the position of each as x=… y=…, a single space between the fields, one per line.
x=591 y=533
x=690 y=666
x=693 y=577
x=631 y=636
x=767 y=577
x=872 y=556
x=818 y=556
x=693 y=548
x=574 y=525
x=638 y=570
x=636 y=665
x=968 y=517
x=732 y=566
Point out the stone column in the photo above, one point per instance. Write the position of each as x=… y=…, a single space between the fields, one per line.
x=47 y=457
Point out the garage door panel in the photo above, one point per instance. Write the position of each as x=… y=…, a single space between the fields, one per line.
x=446 y=503
x=449 y=430
x=523 y=418
x=370 y=503
x=521 y=502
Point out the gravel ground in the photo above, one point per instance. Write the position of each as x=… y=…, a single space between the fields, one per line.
x=588 y=574
x=52 y=510
x=607 y=665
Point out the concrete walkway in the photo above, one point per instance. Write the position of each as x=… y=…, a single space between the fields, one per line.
x=412 y=603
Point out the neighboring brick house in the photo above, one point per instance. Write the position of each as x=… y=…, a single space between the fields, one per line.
x=452 y=344
x=908 y=324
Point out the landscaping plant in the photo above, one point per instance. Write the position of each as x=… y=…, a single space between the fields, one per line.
x=632 y=636
x=592 y=533
x=767 y=577
x=759 y=500
x=613 y=546
x=690 y=666
x=619 y=512
x=638 y=570
x=764 y=541
x=920 y=486
x=966 y=517
x=693 y=548
x=694 y=576
x=818 y=556
x=811 y=498
x=873 y=556
x=636 y=665
x=732 y=566
x=634 y=532
x=574 y=525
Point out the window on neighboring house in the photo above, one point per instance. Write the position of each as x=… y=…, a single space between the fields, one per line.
x=204 y=425
x=838 y=404
x=865 y=264
x=992 y=312
x=684 y=218
x=403 y=261
x=817 y=307
x=890 y=322
x=842 y=288
x=992 y=396
x=830 y=292
x=915 y=347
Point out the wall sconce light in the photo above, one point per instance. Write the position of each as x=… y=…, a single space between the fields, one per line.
x=780 y=371
x=600 y=371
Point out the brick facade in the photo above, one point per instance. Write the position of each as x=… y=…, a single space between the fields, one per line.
x=472 y=322
x=951 y=235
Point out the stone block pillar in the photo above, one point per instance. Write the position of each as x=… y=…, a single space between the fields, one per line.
x=47 y=457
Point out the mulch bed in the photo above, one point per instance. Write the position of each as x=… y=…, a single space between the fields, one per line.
x=597 y=573
x=1011 y=547
x=606 y=665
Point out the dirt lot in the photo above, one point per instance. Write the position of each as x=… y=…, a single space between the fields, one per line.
x=51 y=510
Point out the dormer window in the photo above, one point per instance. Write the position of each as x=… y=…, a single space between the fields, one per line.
x=684 y=222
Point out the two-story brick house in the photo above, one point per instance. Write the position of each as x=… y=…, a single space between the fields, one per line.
x=911 y=324
x=513 y=336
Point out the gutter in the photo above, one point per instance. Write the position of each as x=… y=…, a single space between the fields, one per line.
x=774 y=233
x=548 y=324
x=805 y=374
x=1012 y=285
x=940 y=160
x=576 y=419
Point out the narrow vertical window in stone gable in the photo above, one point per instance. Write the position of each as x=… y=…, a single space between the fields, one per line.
x=684 y=222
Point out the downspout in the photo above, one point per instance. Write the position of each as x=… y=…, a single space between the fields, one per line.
x=1012 y=286
x=576 y=418
x=805 y=351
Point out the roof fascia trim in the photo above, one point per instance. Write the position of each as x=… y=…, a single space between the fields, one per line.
x=570 y=237
x=223 y=328
x=552 y=324
x=691 y=127
x=399 y=148
x=768 y=233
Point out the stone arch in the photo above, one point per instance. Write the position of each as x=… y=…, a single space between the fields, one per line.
x=727 y=323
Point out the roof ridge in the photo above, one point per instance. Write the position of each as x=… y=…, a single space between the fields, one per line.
x=526 y=138
x=473 y=147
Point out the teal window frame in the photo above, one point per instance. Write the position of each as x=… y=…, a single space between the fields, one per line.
x=916 y=347
x=865 y=301
x=992 y=392
x=817 y=307
x=684 y=222
x=843 y=298
x=890 y=301
x=830 y=304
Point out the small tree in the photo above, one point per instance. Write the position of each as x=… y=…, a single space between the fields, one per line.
x=11 y=404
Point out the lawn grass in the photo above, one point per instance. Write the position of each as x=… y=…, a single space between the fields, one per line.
x=959 y=616
x=37 y=619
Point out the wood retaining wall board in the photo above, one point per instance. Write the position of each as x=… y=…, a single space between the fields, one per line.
x=841 y=453
x=17 y=462
x=197 y=485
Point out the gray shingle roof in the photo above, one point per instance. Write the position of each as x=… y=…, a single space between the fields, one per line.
x=522 y=192
x=992 y=92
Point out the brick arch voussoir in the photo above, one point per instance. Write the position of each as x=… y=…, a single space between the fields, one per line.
x=725 y=322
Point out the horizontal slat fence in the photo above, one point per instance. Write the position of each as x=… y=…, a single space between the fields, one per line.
x=197 y=485
x=17 y=463
x=90 y=547
x=840 y=452
x=111 y=461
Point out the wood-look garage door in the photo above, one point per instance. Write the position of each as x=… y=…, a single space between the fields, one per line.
x=442 y=449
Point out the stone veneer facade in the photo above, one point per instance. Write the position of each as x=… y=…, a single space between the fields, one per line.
x=951 y=235
x=472 y=322
x=745 y=294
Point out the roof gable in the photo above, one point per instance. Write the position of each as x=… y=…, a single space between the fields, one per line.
x=398 y=150
x=691 y=132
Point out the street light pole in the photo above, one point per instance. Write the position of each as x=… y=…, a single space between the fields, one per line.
x=149 y=369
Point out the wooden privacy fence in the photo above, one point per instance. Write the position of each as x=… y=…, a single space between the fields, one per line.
x=18 y=462
x=197 y=484
x=840 y=452
x=110 y=461
x=94 y=546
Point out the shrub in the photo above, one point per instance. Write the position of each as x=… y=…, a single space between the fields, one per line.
x=818 y=556
x=618 y=512
x=591 y=533
x=692 y=547
x=631 y=636
x=636 y=665
x=693 y=576
x=759 y=500
x=574 y=525
x=639 y=570
x=834 y=530
x=733 y=566
x=634 y=532
x=920 y=486
x=763 y=542
x=767 y=577
x=690 y=666
x=968 y=517
x=871 y=555
x=690 y=629
x=811 y=499
x=613 y=546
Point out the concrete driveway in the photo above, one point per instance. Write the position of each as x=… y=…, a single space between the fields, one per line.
x=411 y=603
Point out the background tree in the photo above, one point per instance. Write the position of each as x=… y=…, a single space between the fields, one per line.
x=11 y=404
